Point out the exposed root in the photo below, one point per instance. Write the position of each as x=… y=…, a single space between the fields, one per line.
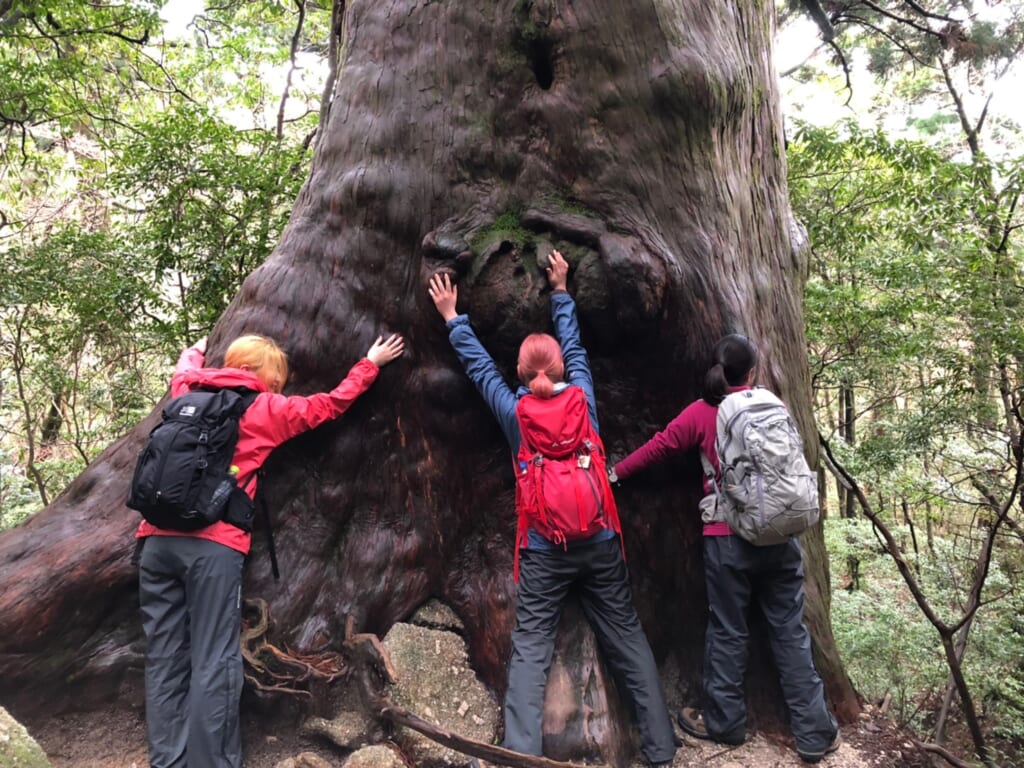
x=282 y=671
x=364 y=659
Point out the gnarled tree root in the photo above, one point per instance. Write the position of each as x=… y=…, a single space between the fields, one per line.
x=282 y=671
x=364 y=659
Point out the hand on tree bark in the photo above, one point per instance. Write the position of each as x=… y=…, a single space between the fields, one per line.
x=558 y=272
x=444 y=295
x=384 y=351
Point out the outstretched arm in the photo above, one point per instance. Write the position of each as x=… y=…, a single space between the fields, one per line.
x=567 y=330
x=295 y=414
x=476 y=361
x=190 y=359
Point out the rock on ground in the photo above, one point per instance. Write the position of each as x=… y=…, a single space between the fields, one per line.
x=436 y=682
x=17 y=748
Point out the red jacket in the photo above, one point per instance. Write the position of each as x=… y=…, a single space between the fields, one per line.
x=271 y=420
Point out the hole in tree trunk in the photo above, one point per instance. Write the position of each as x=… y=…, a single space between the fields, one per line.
x=539 y=54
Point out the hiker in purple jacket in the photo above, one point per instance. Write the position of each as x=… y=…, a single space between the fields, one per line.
x=737 y=574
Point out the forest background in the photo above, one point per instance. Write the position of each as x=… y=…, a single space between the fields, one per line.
x=149 y=158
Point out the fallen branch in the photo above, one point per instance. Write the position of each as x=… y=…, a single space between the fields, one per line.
x=471 y=747
x=935 y=749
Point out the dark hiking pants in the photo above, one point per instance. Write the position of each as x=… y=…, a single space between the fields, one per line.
x=739 y=574
x=190 y=596
x=598 y=575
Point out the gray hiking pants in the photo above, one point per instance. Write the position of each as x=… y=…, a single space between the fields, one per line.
x=190 y=594
x=738 y=574
x=597 y=574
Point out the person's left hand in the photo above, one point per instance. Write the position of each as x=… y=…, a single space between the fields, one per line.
x=558 y=272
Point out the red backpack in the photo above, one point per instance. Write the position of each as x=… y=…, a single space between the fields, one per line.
x=562 y=488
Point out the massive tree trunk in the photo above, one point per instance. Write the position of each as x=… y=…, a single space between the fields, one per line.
x=643 y=140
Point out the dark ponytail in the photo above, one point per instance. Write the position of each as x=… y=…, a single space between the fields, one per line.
x=733 y=358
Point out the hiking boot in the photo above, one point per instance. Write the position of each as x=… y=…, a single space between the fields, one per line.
x=691 y=720
x=815 y=757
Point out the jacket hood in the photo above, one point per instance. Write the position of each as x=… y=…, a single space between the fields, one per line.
x=222 y=378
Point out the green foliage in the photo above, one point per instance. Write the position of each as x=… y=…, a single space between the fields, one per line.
x=211 y=202
x=903 y=297
x=888 y=646
x=914 y=326
x=18 y=498
x=143 y=179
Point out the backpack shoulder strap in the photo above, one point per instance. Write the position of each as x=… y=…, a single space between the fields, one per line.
x=265 y=512
x=248 y=397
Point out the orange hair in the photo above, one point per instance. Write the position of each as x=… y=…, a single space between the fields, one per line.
x=540 y=364
x=260 y=355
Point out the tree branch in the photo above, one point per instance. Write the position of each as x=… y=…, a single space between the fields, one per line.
x=471 y=747
x=935 y=749
x=291 y=70
x=333 y=54
x=828 y=32
x=892 y=547
x=903 y=46
x=928 y=14
x=899 y=19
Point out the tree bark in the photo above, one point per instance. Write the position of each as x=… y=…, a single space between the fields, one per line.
x=641 y=139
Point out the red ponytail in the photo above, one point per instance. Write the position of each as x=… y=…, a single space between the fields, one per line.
x=540 y=364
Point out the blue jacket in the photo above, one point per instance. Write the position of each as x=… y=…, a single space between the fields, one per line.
x=502 y=399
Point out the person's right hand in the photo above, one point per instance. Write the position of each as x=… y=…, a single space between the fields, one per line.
x=200 y=345
x=558 y=272
x=384 y=351
x=444 y=295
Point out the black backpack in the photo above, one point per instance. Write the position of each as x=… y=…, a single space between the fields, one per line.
x=183 y=479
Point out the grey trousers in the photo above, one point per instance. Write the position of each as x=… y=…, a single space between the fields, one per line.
x=738 y=574
x=598 y=574
x=190 y=594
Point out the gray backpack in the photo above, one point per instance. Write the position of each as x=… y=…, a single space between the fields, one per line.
x=768 y=492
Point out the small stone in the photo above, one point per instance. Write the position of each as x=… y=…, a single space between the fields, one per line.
x=463 y=709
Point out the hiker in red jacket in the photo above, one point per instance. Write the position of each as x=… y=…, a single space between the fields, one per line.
x=190 y=582
x=557 y=372
x=737 y=574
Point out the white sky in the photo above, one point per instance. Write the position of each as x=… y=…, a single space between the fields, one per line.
x=825 y=103
x=177 y=15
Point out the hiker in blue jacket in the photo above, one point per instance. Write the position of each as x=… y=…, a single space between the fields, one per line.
x=547 y=570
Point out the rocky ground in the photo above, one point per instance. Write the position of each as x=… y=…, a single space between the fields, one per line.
x=433 y=677
x=115 y=738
